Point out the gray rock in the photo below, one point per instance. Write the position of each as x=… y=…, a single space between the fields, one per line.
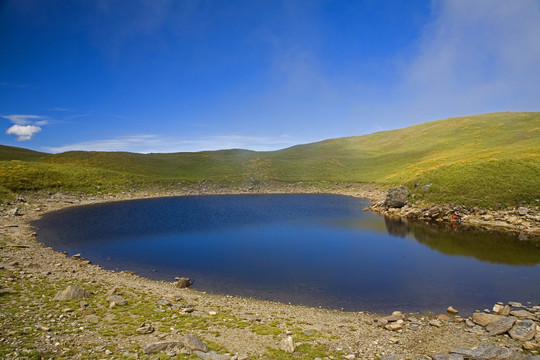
x=522 y=314
x=145 y=329
x=477 y=330
x=494 y=352
x=117 y=299
x=394 y=357
x=522 y=211
x=447 y=357
x=531 y=346
x=193 y=343
x=394 y=317
x=523 y=330
x=211 y=355
x=182 y=282
x=162 y=346
x=515 y=304
x=72 y=292
x=485 y=319
x=397 y=197
x=501 y=326
x=436 y=323
x=463 y=352
x=288 y=345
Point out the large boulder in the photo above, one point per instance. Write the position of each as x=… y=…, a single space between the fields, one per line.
x=524 y=330
x=486 y=319
x=396 y=197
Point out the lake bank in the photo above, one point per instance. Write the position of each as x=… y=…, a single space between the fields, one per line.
x=33 y=274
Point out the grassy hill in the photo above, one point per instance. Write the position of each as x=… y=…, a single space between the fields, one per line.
x=484 y=160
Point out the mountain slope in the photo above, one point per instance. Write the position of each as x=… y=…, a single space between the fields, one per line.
x=483 y=160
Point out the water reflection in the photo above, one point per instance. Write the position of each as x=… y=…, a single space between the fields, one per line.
x=495 y=247
x=317 y=250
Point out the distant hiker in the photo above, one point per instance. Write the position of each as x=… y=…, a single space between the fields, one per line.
x=456 y=217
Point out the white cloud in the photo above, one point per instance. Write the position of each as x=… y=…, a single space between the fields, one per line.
x=158 y=144
x=23 y=132
x=26 y=126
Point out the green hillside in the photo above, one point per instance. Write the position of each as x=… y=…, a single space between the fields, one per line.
x=480 y=160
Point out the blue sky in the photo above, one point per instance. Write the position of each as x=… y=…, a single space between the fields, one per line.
x=187 y=75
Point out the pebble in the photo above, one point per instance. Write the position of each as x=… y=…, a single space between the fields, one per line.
x=451 y=310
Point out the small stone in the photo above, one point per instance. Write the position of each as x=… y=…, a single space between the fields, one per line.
x=211 y=355
x=394 y=317
x=469 y=323
x=395 y=325
x=117 y=299
x=164 y=303
x=523 y=330
x=382 y=322
x=443 y=317
x=182 y=282
x=531 y=346
x=451 y=310
x=436 y=323
x=161 y=346
x=111 y=291
x=192 y=342
x=498 y=309
x=515 y=304
x=394 y=357
x=145 y=329
x=187 y=309
x=212 y=313
x=447 y=357
x=71 y=293
x=506 y=310
x=501 y=326
x=288 y=345
x=108 y=352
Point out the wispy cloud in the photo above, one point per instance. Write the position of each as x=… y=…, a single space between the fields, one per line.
x=26 y=126
x=161 y=144
x=476 y=56
x=26 y=119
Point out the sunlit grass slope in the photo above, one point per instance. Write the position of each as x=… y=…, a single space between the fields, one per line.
x=483 y=160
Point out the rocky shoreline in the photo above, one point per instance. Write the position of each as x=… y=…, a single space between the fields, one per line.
x=122 y=315
x=522 y=220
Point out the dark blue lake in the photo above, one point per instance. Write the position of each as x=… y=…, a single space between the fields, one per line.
x=316 y=250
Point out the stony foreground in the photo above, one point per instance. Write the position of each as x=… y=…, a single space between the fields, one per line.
x=58 y=306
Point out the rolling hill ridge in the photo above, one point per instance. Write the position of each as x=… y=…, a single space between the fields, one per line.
x=481 y=160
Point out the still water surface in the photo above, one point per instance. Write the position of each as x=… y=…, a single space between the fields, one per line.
x=316 y=250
